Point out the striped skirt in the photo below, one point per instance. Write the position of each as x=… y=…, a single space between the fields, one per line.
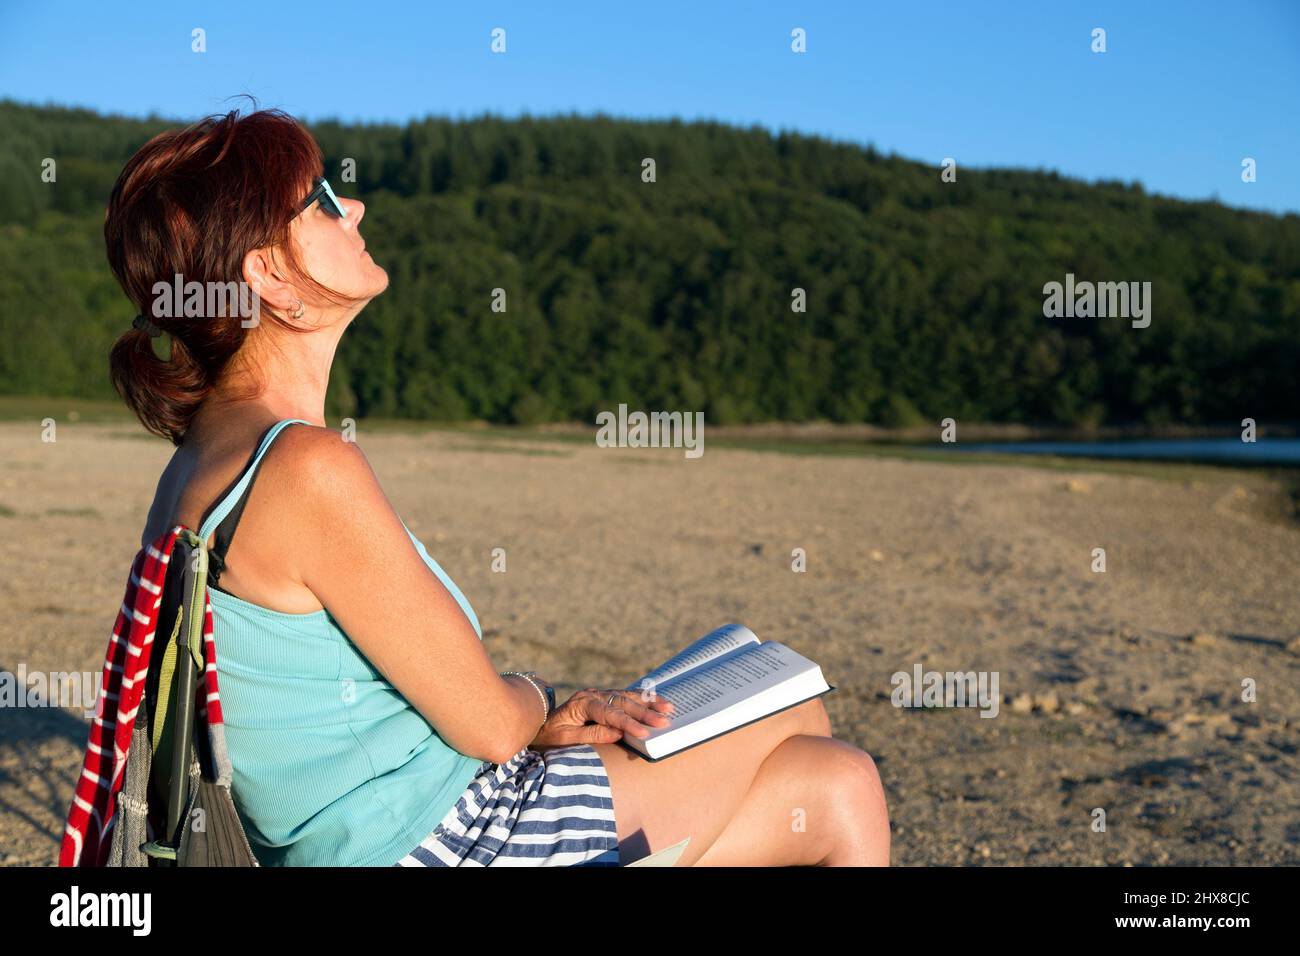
x=539 y=808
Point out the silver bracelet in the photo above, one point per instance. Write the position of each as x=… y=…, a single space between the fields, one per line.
x=546 y=706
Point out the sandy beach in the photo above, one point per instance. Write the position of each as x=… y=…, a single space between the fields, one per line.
x=1119 y=690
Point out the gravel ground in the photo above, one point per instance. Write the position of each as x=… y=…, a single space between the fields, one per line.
x=1120 y=692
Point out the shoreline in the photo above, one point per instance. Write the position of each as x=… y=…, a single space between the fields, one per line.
x=17 y=407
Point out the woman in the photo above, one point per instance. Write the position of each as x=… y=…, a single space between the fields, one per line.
x=365 y=721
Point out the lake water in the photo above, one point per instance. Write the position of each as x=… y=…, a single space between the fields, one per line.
x=1264 y=451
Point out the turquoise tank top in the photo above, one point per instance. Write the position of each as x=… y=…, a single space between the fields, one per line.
x=332 y=765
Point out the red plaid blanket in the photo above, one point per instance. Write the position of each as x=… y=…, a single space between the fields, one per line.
x=86 y=837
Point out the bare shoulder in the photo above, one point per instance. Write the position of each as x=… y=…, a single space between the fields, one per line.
x=310 y=452
x=317 y=473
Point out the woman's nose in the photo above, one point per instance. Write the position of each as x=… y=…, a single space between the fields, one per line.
x=356 y=210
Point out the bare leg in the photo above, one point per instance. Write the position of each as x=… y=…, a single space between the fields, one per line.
x=815 y=801
x=697 y=792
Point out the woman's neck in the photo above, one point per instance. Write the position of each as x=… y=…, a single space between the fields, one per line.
x=292 y=369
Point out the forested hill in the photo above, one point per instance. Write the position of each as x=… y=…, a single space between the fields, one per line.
x=924 y=299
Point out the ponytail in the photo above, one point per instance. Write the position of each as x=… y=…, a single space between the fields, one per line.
x=165 y=394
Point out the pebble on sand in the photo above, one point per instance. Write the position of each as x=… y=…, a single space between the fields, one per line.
x=1048 y=703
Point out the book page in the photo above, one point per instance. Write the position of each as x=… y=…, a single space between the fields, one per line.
x=722 y=683
x=713 y=645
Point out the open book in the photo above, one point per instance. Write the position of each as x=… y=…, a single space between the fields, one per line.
x=723 y=681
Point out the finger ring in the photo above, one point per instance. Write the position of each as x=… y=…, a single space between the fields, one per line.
x=610 y=701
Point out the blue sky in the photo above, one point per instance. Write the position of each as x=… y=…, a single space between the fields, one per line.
x=1184 y=92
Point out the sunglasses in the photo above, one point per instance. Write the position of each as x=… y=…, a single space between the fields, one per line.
x=328 y=201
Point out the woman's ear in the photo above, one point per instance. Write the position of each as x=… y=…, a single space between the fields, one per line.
x=261 y=272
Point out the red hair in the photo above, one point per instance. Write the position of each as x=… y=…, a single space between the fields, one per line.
x=196 y=201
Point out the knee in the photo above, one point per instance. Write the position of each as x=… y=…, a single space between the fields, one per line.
x=865 y=813
x=869 y=783
x=855 y=773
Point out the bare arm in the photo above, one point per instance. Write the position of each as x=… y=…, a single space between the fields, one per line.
x=358 y=560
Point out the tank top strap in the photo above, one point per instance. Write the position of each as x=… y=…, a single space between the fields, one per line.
x=219 y=514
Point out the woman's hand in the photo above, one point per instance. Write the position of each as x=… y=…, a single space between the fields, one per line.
x=588 y=718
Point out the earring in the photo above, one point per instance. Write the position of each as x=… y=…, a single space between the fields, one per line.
x=298 y=314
